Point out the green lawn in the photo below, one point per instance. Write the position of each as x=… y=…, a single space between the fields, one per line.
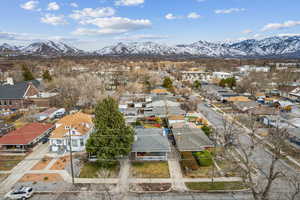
x=202 y=172
x=9 y=162
x=150 y=170
x=215 y=186
x=93 y=170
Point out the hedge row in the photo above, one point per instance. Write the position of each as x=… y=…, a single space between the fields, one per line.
x=204 y=158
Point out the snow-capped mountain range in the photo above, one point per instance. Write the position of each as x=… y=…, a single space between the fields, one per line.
x=285 y=46
x=268 y=47
x=47 y=48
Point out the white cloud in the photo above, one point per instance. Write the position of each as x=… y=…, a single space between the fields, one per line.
x=141 y=37
x=112 y=25
x=193 y=15
x=74 y=5
x=229 y=11
x=170 y=16
x=289 y=34
x=90 y=12
x=247 y=31
x=53 y=6
x=128 y=2
x=54 y=19
x=30 y=5
x=28 y=37
x=276 y=26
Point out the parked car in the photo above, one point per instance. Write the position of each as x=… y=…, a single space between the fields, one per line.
x=59 y=115
x=44 y=140
x=20 y=193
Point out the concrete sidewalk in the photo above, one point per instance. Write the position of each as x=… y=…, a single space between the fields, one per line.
x=23 y=167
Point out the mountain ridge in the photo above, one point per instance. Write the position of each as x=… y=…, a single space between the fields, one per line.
x=277 y=46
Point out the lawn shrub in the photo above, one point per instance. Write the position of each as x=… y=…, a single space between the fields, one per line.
x=188 y=161
x=204 y=158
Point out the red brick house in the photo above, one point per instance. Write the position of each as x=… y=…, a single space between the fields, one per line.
x=17 y=96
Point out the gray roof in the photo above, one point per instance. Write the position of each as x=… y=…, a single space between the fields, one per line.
x=294 y=132
x=191 y=139
x=150 y=140
x=245 y=105
x=161 y=111
x=15 y=91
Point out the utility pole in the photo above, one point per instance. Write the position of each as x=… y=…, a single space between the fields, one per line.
x=71 y=156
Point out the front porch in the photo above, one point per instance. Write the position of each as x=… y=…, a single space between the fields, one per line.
x=149 y=156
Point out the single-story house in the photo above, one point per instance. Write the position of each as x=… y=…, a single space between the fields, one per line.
x=163 y=111
x=191 y=139
x=49 y=113
x=275 y=121
x=161 y=103
x=159 y=91
x=5 y=128
x=238 y=99
x=244 y=106
x=150 y=144
x=184 y=124
x=294 y=136
x=263 y=111
x=295 y=94
x=26 y=137
x=175 y=119
x=78 y=126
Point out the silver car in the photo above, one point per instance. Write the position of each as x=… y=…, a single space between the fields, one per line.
x=20 y=193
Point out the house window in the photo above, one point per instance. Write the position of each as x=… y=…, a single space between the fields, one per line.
x=10 y=102
x=74 y=143
x=73 y=132
x=5 y=102
x=81 y=142
x=58 y=142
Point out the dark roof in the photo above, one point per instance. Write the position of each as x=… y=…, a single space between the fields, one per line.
x=150 y=140
x=17 y=90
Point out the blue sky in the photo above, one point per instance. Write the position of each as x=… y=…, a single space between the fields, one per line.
x=93 y=24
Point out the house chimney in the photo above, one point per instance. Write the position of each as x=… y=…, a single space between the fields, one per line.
x=10 y=81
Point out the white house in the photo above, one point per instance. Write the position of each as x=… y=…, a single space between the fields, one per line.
x=253 y=68
x=77 y=126
x=295 y=94
x=194 y=75
x=221 y=75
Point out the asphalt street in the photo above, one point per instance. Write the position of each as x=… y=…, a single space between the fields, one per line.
x=260 y=156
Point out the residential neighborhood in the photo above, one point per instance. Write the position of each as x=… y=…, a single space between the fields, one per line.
x=177 y=141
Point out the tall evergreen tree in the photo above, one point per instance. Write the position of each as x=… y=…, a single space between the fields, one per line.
x=168 y=83
x=197 y=85
x=27 y=74
x=112 y=138
x=47 y=76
